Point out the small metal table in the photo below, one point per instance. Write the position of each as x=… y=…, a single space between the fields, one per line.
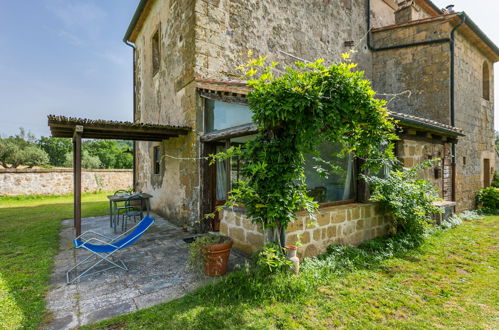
x=115 y=199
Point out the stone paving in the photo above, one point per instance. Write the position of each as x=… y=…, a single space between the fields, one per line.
x=157 y=273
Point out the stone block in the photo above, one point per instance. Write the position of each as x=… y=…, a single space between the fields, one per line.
x=317 y=234
x=331 y=232
x=255 y=239
x=339 y=216
x=248 y=225
x=296 y=225
x=224 y=229
x=324 y=219
x=237 y=234
x=355 y=213
x=360 y=225
x=368 y=211
x=311 y=251
x=305 y=237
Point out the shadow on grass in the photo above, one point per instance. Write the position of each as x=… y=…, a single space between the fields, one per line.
x=230 y=302
x=29 y=240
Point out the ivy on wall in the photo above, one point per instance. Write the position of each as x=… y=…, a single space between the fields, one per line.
x=306 y=105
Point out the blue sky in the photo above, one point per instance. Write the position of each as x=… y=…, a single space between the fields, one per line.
x=64 y=57
x=67 y=57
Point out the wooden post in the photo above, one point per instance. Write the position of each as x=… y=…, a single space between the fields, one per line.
x=77 y=177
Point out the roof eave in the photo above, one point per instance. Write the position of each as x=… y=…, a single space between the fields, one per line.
x=135 y=19
x=471 y=24
x=404 y=121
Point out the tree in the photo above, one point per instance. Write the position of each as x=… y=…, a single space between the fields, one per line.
x=111 y=153
x=21 y=150
x=56 y=148
x=87 y=160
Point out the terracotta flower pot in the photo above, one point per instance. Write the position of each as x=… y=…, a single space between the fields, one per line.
x=217 y=258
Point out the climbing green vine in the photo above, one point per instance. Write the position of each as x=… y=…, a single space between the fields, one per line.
x=307 y=105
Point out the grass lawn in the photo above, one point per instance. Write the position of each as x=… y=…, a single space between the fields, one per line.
x=29 y=229
x=451 y=281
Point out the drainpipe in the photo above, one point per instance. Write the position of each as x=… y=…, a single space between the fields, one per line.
x=452 y=88
x=452 y=100
x=134 y=116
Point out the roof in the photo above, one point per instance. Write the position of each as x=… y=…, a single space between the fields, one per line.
x=61 y=126
x=426 y=124
x=143 y=4
x=470 y=30
x=225 y=87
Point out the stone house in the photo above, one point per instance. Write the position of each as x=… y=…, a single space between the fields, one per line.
x=434 y=67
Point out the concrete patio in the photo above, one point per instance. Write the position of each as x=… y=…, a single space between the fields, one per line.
x=157 y=273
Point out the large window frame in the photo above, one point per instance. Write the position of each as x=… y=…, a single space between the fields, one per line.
x=223 y=138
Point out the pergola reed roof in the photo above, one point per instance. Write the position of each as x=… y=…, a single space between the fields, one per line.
x=61 y=126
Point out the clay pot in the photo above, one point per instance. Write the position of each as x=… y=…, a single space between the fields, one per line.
x=217 y=258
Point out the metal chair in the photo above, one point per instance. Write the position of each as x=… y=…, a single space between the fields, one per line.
x=106 y=247
x=132 y=209
x=116 y=193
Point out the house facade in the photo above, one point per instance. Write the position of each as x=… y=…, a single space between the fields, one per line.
x=433 y=67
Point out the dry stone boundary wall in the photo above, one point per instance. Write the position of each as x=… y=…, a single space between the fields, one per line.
x=14 y=182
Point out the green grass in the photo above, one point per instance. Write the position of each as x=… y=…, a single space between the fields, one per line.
x=450 y=281
x=29 y=239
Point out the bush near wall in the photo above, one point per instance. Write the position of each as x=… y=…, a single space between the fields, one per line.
x=488 y=200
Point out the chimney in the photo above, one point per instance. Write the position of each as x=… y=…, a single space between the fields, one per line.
x=407 y=12
x=450 y=9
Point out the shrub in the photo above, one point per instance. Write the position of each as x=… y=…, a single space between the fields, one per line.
x=495 y=180
x=271 y=259
x=488 y=200
x=405 y=198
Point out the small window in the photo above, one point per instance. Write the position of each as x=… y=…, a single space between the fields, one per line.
x=156 y=160
x=486 y=81
x=156 y=53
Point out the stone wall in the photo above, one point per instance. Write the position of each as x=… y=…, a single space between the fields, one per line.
x=413 y=149
x=349 y=224
x=15 y=182
x=169 y=97
x=475 y=115
x=422 y=70
x=227 y=29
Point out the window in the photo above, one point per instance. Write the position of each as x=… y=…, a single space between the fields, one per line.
x=222 y=115
x=156 y=160
x=156 y=54
x=339 y=183
x=486 y=81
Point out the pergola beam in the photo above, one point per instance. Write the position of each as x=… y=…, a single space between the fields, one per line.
x=78 y=130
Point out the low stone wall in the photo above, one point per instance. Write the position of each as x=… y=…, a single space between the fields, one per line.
x=349 y=224
x=15 y=182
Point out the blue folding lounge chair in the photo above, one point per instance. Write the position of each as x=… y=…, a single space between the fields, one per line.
x=106 y=247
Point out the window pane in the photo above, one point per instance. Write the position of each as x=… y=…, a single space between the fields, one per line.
x=339 y=185
x=222 y=115
x=235 y=162
x=221 y=177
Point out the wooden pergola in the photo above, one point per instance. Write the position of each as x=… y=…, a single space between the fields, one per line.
x=78 y=128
